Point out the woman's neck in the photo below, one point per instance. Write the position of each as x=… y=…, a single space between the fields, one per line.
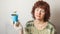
x=39 y=21
x=40 y=24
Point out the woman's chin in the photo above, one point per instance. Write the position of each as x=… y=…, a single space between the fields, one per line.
x=38 y=18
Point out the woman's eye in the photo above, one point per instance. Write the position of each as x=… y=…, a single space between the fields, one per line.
x=37 y=10
x=43 y=11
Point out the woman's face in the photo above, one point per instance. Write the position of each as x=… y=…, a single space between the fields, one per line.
x=39 y=13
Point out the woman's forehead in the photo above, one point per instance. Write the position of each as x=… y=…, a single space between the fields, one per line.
x=39 y=8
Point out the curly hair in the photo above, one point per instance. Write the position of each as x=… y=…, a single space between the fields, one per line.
x=45 y=6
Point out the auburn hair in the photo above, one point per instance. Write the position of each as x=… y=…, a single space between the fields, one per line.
x=45 y=6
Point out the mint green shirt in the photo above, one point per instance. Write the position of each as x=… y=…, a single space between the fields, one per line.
x=30 y=29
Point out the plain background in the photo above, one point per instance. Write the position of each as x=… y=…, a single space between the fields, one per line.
x=23 y=8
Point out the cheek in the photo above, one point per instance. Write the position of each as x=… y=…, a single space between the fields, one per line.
x=43 y=15
x=35 y=13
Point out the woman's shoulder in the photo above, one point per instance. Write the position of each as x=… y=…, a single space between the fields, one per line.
x=51 y=25
x=29 y=23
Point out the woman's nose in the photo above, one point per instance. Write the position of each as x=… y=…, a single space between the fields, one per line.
x=39 y=12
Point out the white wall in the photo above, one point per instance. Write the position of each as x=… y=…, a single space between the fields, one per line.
x=23 y=7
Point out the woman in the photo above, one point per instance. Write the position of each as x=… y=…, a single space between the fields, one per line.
x=40 y=24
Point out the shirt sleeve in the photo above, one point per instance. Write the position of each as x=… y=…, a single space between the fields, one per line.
x=53 y=31
x=52 y=28
x=28 y=28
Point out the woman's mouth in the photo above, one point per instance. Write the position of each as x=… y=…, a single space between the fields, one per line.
x=38 y=16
